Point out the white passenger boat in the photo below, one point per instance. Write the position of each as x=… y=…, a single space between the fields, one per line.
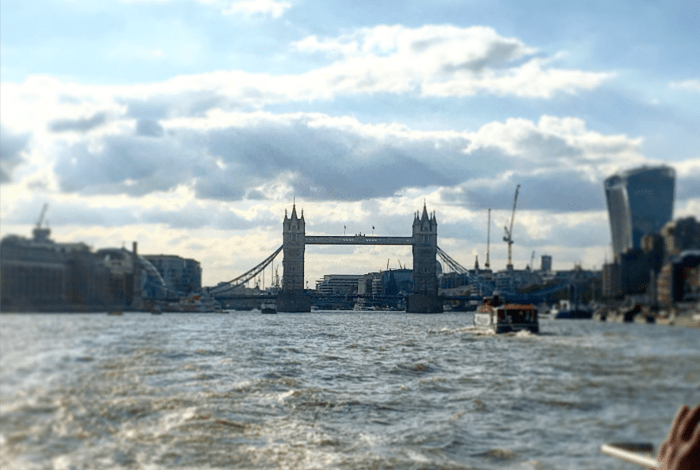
x=503 y=317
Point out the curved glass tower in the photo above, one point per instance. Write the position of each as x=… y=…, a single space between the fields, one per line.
x=640 y=201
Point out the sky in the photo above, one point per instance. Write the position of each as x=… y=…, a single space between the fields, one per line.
x=190 y=126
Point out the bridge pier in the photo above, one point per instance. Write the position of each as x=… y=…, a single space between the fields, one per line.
x=422 y=303
x=293 y=301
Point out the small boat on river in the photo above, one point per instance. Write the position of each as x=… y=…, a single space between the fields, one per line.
x=504 y=317
x=268 y=307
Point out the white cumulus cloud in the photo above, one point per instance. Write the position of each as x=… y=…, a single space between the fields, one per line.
x=440 y=60
x=693 y=85
x=272 y=8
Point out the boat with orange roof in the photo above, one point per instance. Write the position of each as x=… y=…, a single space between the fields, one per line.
x=500 y=317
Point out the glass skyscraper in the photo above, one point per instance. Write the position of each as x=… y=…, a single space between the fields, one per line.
x=640 y=201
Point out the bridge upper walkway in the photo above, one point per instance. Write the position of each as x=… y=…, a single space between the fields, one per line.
x=356 y=240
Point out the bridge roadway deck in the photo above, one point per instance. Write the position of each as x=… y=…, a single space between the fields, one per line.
x=356 y=240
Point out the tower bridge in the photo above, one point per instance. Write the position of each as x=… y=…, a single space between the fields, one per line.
x=423 y=299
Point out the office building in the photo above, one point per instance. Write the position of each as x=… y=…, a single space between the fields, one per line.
x=640 y=201
x=546 y=263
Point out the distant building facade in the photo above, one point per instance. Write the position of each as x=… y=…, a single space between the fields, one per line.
x=665 y=270
x=342 y=284
x=678 y=279
x=546 y=263
x=640 y=201
x=611 y=280
x=39 y=275
x=182 y=276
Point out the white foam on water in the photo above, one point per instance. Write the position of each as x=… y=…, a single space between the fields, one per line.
x=417 y=456
x=290 y=393
x=62 y=462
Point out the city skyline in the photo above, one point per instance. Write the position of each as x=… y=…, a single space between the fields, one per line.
x=190 y=126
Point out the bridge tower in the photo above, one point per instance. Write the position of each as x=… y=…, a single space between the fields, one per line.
x=292 y=298
x=424 y=298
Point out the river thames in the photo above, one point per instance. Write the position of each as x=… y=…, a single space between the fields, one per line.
x=345 y=390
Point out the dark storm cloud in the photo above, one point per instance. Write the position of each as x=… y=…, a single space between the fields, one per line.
x=124 y=164
x=255 y=195
x=219 y=186
x=565 y=191
x=152 y=109
x=226 y=164
x=550 y=149
x=11 y=148
x=308 y=157
x=498 y=54
x=78 y=125
x=149 y=128
x=188 y=103
x=325 y=163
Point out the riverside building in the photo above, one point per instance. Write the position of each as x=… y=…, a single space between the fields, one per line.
x=640 y=201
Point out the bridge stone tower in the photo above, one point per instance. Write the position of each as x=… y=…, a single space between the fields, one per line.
x=292 y=297
x=424 y=298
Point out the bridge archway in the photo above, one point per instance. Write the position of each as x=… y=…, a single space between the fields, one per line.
x=423 y=239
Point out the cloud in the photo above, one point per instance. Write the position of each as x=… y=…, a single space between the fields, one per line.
x=124 y=164
x=270 y=8
x=110 y=212
x=555 y=142
x=561 y=191
x=68 y=212
x=560 y=163
x=687 y=179
x=148 y=127
x=12 y=148
x=439 y=60
x=692 y=85
x=79 y=125
x=238 y=156
x=229 y=155
x=430 y=61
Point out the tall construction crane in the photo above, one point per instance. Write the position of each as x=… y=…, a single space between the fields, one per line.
x=509 y=232
x=488 y=239
x=41 y=234
x=41 y=217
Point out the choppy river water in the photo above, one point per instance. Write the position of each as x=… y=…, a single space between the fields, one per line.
x=345 y=390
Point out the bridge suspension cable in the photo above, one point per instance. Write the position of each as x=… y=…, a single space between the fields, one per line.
x=447 y=259
x=485 y=286
x=247 y=276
